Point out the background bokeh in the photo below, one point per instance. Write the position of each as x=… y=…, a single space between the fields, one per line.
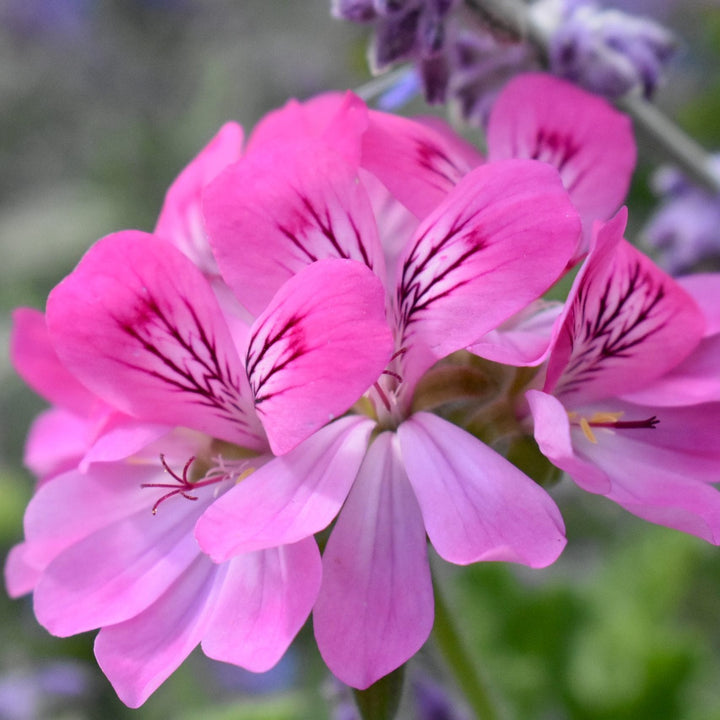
x=102 y=102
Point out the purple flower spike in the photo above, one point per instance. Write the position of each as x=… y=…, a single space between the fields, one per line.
x=605 y=50
x=686 y=227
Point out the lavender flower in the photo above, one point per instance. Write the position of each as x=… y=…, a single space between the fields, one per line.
x=604 y=50
x=686 y=228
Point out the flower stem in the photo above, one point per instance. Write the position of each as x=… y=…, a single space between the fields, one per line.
x=461 y=664
x=514 y=19
x=381 y=700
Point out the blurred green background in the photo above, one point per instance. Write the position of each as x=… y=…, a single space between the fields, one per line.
x=101 y=104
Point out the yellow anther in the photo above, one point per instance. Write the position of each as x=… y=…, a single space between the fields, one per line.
x=587 y=430
x=245 y=473
x=605 y=417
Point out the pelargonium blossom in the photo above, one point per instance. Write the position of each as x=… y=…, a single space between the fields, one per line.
x=488 y=242
x=629 y=406
x=171 y=398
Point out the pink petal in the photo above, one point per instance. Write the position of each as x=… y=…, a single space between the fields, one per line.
x=338 y=119
x=265 y=599
x=138 y=322
x=590 y=143
x=522 y=340
x=118 y=571
x=138 y=655
x=57 y=441
x=694 y=380
x=501 y=238
x=20 y=576
x=553 y=436
x=683 y=440
x=180 y=220
x=75 y=505
x=648 y=488
x=375 y=608
x=319 y=345
x=37 y=363
x=282 y=209
x=627 y=323
x=290 y=498
x=476 y=505
x=417 y=162
x=705 y=290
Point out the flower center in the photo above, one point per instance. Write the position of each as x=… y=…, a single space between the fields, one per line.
x=609 y=420
x=222 y=471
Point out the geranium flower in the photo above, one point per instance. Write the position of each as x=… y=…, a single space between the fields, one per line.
x=163 y=397
x=611 y=411
x=497 y=238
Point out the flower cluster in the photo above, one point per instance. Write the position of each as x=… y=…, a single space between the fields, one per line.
x=286 y=354
x=463 y=53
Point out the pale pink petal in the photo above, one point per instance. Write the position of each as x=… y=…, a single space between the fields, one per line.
x=551 y=426
x=375 y=608
x=265 y=599
x=122 y=437
x=75 y=505
x=476 y=505
x=57 y=441
x=522 y=340
x=180 y=221
x=417 y=163
x=679 y=440
x=138 y=322
x=38 y=365
x=583 y=136
x=289 y=498
x=282 y=209
x=138 y=655
x=20 y=576
x=320 y=344
x=657 y=493
x=118 y=571
x=498 y=241
x=626 y=324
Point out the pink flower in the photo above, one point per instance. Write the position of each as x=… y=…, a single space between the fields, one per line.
x=166 y=396
x=491 y=240
x=629 y=407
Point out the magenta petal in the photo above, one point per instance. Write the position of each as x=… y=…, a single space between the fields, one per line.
x=139 y=324
x=265 y=599
x=338 y=119
x=552 y=433
x=498 y=241
x=583 y=136
x=476 y=505
x=138 y=655
x=281 y=209
x=320 y=344
x=417 y=162
x=37 y=363
x=627 y=323
x=180 y=220
x=289 y=498
x=375 y=608
x=705 y=290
